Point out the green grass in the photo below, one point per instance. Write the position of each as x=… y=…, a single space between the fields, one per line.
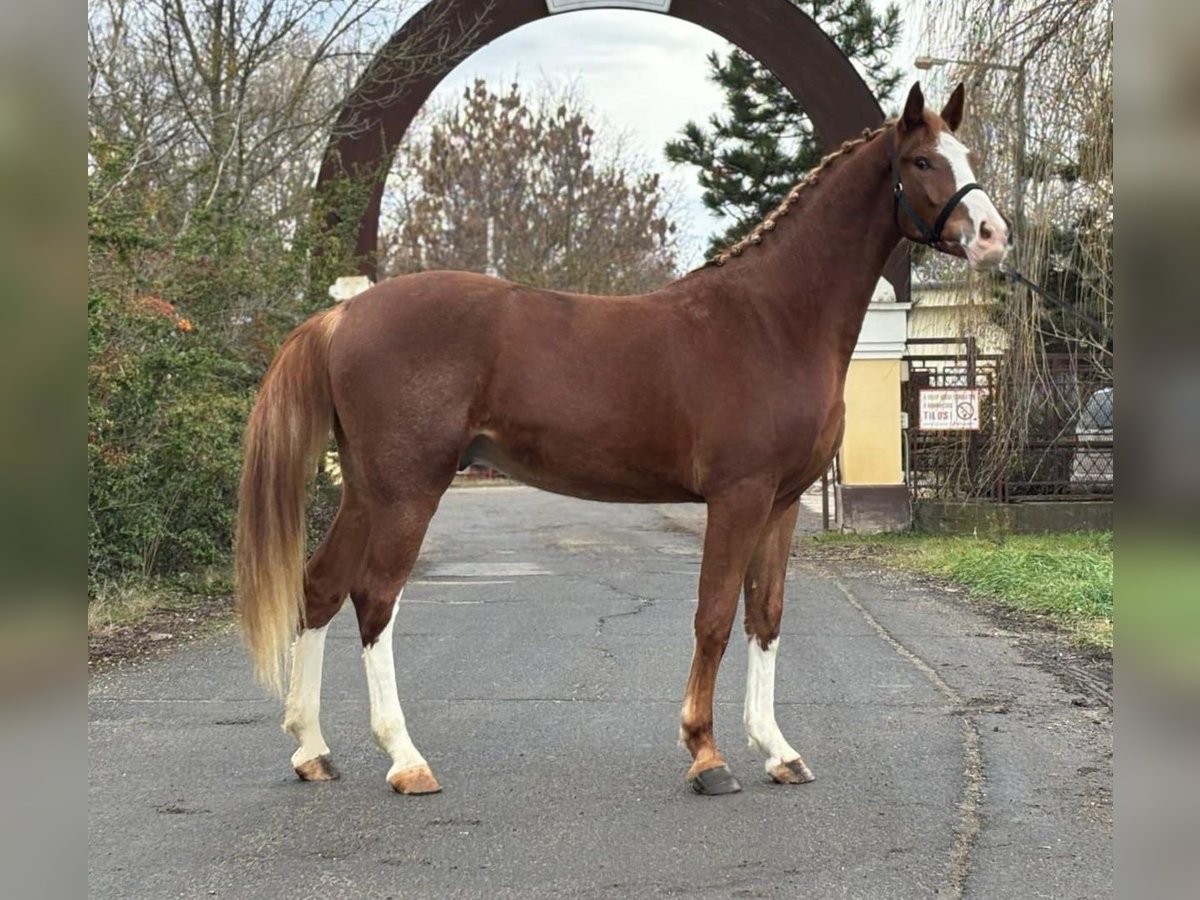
x=131 y=600
x=1065 y=578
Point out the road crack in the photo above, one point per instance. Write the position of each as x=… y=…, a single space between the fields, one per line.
x=967 y=831
x=643 y=603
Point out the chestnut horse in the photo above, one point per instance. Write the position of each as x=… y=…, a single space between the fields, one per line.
x=724 y=388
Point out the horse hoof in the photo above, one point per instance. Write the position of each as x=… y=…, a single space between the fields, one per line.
x=414 y=780
x=717 y=780
x=319 y=768
x=794 y=772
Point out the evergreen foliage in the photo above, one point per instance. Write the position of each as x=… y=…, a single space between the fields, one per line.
x=751 y=155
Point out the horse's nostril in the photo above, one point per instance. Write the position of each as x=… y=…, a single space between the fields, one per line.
x=985 y=231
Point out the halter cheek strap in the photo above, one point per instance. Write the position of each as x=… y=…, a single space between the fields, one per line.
x=953 y=202
x=929 y=235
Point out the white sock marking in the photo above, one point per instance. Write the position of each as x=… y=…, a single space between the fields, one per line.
x=387 y=719
x=759 y=717
x=303 y=709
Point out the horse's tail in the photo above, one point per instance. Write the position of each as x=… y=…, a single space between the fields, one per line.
x=287 y=432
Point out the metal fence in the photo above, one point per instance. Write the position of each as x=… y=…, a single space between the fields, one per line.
x=1064 y=447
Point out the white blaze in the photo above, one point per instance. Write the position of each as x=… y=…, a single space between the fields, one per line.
x=759 y=715
x=303 y=709
x=387 y=719
x=979 y=205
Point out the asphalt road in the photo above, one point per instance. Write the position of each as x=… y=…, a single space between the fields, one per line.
x=541 y=654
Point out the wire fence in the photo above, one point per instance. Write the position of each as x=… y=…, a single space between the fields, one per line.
x=1064 y=450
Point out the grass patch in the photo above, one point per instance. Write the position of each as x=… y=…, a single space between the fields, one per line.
x=128 y=618
x=1065 y=578
x=134 y=600
x=120 y=604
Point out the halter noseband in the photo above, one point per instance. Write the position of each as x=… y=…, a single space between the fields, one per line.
x=929 y=235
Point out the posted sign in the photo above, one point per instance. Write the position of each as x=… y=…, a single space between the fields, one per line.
x=950 y=410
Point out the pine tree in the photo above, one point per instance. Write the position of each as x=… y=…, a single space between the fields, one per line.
x=751 y=155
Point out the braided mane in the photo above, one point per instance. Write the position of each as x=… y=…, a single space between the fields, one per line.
x=768 y=223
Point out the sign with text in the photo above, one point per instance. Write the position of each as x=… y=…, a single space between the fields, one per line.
x=955 y=409
x=561 y=6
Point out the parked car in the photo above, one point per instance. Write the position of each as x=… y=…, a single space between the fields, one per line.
x=1092 y=462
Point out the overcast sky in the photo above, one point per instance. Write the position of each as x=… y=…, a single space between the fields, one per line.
x=643 y=74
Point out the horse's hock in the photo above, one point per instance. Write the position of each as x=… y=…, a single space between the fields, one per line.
x=871 y=494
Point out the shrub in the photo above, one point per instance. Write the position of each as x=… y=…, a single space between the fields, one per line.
x=180 y=329
x=165 y=413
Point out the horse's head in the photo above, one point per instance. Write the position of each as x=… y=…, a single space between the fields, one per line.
x=938 y=202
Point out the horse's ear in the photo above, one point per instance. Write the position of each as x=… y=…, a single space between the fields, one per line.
x=953 y=112
x=914 y=108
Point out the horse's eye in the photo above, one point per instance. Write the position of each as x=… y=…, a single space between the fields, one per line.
x=921 y=162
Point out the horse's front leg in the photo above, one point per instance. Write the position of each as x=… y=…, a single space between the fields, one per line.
x=735 y=521
x=764 y=611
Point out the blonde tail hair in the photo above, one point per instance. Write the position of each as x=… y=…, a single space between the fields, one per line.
x=287 y=433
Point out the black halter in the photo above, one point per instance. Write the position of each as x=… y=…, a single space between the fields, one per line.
x=929 y=235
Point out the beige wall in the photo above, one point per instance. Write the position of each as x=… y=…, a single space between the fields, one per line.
x=952 y=322
x=871 y=446
x=954 y=312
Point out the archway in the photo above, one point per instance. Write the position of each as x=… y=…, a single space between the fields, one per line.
x=377 y=113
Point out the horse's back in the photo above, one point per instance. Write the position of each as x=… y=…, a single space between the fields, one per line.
x=556 y=388
x=436 y=321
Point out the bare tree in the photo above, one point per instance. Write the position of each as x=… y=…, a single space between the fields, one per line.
x=233 y=97
x=564 y=212
x=1040 y=81
x=230 y=102
x=1060 y=171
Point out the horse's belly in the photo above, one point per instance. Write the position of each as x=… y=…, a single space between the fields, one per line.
x=577 y=472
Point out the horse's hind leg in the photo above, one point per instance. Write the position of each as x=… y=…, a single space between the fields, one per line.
x=397 y=531
x=764 y=611
x=329 y=575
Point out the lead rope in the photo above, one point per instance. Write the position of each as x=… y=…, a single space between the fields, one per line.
x=1096 y=325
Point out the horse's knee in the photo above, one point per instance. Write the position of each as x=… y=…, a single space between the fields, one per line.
x=711 y=637
x=760 y=625
x=764 y=613
x=762 y=634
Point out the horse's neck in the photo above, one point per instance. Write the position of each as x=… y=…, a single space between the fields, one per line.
x=818 y=269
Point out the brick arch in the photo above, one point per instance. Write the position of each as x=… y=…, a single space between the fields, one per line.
x=377 y=113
